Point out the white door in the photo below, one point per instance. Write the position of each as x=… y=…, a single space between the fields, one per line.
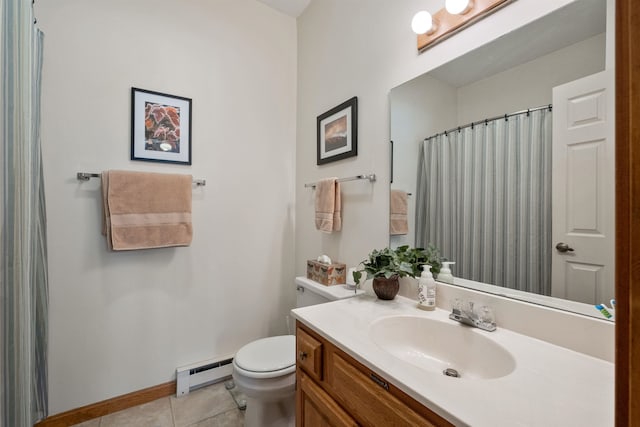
x=583 y=189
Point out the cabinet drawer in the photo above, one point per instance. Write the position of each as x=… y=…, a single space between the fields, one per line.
x=316 y=408
x=367 y=398
x=309 y=354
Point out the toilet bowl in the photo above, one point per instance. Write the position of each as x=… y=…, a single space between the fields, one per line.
x=265 y=369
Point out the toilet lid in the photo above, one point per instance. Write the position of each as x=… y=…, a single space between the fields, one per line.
x=268 y=354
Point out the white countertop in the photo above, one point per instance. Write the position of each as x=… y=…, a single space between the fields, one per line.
x=550 y=386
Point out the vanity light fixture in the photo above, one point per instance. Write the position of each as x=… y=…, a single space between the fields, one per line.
x=458 y=7
x=455 y=16
x=423 y=23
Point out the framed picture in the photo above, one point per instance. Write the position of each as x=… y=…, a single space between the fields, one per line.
x=338 y=132
x=160 y=127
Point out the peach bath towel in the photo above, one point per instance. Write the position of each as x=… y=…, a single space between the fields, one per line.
x=398 y=223
x=328 y=205
x=146 y=210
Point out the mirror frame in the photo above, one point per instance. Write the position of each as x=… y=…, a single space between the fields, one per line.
x=627 y=358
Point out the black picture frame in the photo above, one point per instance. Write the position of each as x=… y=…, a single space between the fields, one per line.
x=160 y=127
x=337 y=132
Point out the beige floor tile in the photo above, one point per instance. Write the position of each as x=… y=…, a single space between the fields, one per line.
x=201 y=404
x=91 y=423
x=152 y=414
x=232 y=418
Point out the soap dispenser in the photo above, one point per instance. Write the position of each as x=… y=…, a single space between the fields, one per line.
x=445 y=275
x=426 y=289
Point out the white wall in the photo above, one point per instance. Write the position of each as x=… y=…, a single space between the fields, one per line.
x=418 y=108
x=364 y=48
x=530 y=84
x=120 y=322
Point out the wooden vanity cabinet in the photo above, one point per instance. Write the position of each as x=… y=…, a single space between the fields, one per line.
x=314 y=407
x=333 y=389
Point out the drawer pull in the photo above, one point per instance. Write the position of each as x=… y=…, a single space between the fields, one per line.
x=302 y=355
x=382 y=383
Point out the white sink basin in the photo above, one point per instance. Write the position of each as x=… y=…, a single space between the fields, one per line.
x=434 y=346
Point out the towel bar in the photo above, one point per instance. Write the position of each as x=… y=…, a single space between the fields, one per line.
x=86 y=176
x=371 y=177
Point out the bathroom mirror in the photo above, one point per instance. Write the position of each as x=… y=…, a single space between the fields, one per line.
x=513 y=74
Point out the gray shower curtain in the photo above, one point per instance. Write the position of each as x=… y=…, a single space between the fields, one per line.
x=484 y=199
x=24 y=292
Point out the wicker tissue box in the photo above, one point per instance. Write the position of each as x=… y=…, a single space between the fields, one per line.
x=327 y=274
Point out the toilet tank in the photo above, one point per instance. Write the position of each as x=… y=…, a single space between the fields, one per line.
x=310 y=292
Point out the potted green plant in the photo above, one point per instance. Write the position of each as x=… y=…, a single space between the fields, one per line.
x=386 y=266
x=418 y=257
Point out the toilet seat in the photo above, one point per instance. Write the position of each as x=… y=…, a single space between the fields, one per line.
x=267 y=357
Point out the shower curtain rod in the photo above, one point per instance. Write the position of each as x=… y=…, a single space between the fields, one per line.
x=485 y=121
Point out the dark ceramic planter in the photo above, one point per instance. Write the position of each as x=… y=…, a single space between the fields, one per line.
x=386 y=289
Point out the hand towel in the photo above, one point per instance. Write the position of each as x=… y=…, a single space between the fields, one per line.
x=328 y=205
x=146 y=210
x=398 y=223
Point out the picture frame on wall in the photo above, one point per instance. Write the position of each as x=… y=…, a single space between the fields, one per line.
x=160 y=127
x=337 y=131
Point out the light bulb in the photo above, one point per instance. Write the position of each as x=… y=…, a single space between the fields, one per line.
x=458 y=7
x=422 y=22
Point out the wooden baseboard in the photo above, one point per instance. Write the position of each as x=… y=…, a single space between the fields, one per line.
x=115 y=404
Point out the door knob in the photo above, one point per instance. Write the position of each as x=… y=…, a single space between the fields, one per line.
x=563 y=247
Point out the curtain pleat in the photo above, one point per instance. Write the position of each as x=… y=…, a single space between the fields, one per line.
x=40 y=293
x=24 y=249
x=484 y=199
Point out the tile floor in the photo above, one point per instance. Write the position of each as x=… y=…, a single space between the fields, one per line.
x=211 y=406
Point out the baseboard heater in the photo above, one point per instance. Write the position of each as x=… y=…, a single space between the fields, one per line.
x=202 y=373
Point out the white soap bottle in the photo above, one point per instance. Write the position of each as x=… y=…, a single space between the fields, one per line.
x=445 y=275
x=426 y=289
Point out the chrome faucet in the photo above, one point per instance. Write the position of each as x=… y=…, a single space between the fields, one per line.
x=480 y=317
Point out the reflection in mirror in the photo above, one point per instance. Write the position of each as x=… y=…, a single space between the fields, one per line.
x=497 y=194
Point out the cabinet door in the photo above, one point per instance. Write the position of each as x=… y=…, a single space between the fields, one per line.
x=367 y=397
x=315 y=408
x=309 y=354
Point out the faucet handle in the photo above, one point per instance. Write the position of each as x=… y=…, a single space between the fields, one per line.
x=485 y=315
x=469 y=308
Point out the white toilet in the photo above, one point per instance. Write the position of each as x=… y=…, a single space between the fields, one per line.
x=265 y=369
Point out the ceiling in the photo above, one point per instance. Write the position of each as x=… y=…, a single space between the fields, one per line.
x=290 y=7
x=570 y=24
